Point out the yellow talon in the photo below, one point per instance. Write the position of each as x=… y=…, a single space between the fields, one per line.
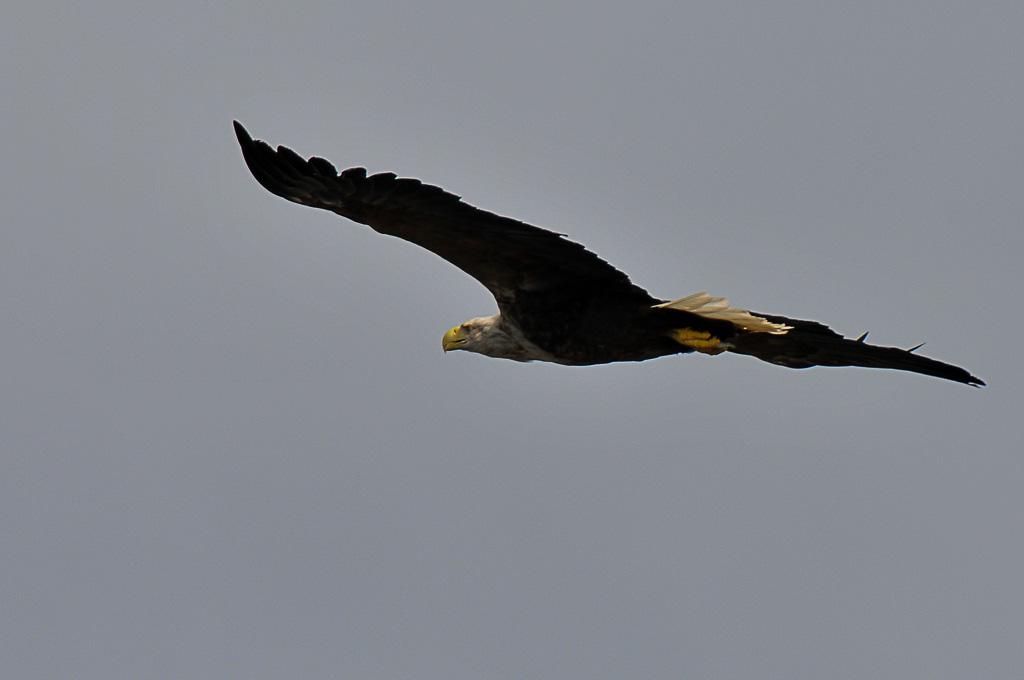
x=701 y=341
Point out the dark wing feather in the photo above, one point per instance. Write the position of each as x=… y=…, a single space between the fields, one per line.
x=810 y=343
x=511 y=258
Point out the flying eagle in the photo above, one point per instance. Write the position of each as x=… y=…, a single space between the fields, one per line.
x=556 y=300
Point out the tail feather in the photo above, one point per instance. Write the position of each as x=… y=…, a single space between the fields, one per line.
x=717 y=308
x=815 y=345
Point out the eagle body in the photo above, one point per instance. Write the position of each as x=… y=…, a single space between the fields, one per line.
x=557 y=301
x=588 y=329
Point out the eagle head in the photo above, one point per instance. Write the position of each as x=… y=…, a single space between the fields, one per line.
x=484 y=335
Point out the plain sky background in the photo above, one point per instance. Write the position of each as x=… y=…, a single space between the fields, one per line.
x=233 y=448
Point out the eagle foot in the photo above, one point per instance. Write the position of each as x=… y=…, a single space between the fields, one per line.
x=701 y=341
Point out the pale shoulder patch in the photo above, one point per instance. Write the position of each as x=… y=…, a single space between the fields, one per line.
x=713 y=307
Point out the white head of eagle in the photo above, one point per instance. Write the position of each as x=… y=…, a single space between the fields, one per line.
x=486 y=335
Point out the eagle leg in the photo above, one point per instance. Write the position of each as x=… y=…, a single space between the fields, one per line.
x=701 y=341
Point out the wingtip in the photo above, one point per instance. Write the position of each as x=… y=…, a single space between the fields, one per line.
x=241 y=133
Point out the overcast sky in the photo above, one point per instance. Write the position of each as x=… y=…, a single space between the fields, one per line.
x=233 y=448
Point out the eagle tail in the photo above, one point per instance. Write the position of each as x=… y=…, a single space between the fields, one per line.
x=812 y=344
x=718 y=309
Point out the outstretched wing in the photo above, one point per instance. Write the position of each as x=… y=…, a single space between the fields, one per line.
x=809 y=343
x=510 y=258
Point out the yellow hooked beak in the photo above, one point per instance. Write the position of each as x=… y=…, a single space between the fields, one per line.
x=455 y=338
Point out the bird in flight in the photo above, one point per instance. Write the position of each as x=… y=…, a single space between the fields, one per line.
x=557 y=301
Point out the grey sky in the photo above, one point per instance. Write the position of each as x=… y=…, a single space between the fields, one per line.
x=232 y=447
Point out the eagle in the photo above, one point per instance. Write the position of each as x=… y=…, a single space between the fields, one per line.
x=557 y=301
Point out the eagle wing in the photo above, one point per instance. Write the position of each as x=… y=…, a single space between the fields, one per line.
x=511 y=259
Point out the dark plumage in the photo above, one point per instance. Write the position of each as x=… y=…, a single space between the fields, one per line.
x=558 y=301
